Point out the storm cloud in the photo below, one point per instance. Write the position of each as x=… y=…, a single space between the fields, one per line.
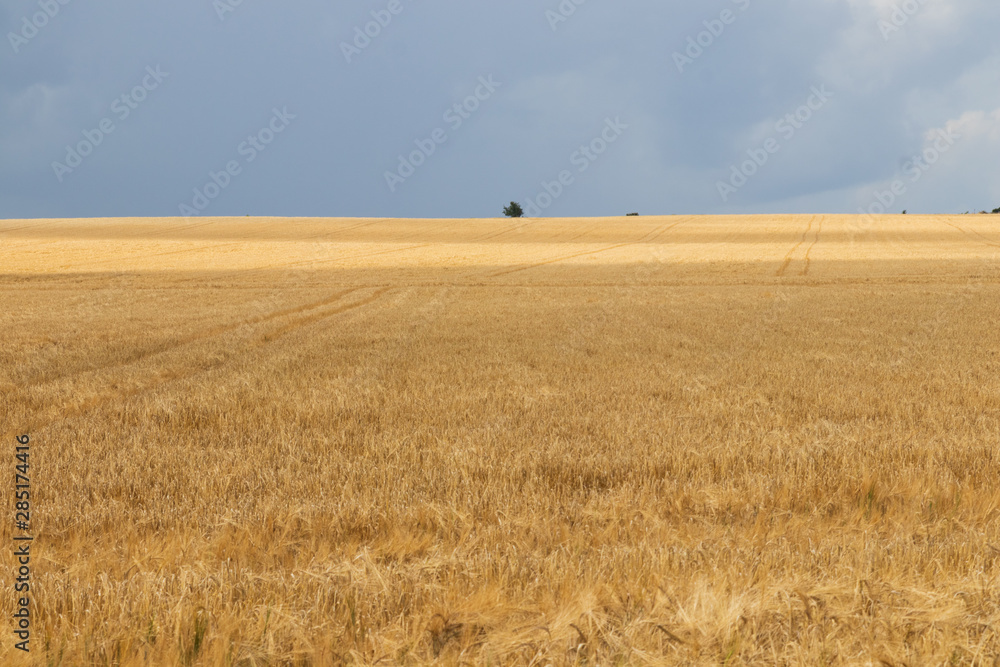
x=416 y=108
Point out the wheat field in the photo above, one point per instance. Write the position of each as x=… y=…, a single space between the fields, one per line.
x=642 y=441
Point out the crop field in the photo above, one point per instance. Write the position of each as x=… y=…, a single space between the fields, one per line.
x=641 y=441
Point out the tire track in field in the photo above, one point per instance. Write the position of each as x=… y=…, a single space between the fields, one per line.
x=152 y=236
x=325 y=235
x=316 y=317
x=205 y=363
x=210 y=245
x=314 y=262
x=788 y=257
x=213 y=332
x=31 y=225
x=586 y=230
x=179 y=228
x=819 y=230
x=205 y=246
x=648 y=238
x=982 y=239
x=311 y=262
x=223 y=274
x=515 y=227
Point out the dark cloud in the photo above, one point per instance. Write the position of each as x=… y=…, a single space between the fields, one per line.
x=557 y=88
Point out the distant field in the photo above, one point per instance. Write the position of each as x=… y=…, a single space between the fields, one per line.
x=654 y=440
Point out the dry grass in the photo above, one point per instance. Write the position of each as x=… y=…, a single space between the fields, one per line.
x=768 y=440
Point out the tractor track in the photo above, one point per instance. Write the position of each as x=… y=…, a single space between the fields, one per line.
x=808 y=259
x=788 y=258
x=213 y=332
x=982 y=238
x=648 y=238
x=192 y=367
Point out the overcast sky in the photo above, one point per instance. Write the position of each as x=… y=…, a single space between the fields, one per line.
x=579 y=107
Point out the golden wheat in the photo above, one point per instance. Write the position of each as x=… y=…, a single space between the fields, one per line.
x=678 y=440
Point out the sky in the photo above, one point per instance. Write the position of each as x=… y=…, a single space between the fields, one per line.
x=417 y=108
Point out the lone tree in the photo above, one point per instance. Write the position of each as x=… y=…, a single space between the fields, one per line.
x=514 y=210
